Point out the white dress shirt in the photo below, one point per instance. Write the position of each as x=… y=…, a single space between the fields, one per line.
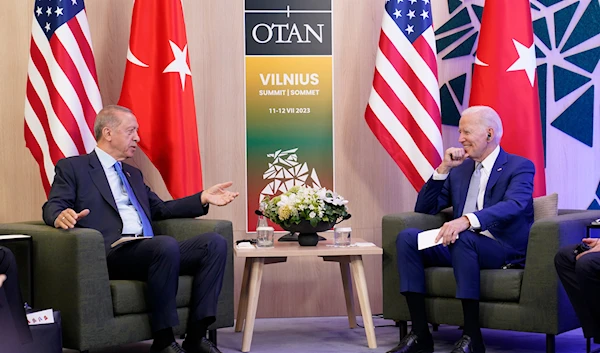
x=132 y=224
x=486 y=171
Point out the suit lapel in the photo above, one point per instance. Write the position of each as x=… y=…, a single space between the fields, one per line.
x=495 y=174
x=99 y=178
x=138 y=188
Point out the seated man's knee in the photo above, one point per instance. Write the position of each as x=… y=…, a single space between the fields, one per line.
x=167 y=247
x=588 y=266
x=216 y=242
x=407 y=238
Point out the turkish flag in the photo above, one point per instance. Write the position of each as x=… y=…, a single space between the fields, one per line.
x=158 y=89
x=504 y=78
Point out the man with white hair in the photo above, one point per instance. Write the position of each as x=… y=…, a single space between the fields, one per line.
x=491 y=195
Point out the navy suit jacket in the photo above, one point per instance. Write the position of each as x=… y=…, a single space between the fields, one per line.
x=507 y=211
x=80 y=183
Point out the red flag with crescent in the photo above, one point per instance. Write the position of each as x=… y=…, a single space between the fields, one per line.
x=505 y=79
x=158 y=89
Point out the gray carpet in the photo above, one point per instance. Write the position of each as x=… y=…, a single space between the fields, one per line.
x=331 y=334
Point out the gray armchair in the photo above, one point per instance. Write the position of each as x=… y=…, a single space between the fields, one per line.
x=530 y=299
x=70 y=275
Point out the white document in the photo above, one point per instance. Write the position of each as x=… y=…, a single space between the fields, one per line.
x=40 y=317
x=426 y=239
x=126 y=239
x=14 y=236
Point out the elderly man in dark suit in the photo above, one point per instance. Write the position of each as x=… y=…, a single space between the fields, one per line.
x=14 y=331
x=98 y=191
x=491 y=195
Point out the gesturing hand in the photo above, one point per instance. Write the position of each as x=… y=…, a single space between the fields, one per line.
x=2 y=279
x=217 y=195
x=68 y=218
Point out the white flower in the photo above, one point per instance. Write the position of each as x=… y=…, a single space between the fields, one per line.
x=312 y=215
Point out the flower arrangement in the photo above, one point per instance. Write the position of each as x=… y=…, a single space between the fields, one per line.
x=302 y=203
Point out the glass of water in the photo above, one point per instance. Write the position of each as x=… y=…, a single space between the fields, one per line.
x=264 y=237
x=342 y=236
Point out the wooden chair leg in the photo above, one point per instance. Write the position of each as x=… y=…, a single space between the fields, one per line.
x=550 y=343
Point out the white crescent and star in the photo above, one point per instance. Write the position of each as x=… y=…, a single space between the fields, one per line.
x=178 y=65
x=525 y=62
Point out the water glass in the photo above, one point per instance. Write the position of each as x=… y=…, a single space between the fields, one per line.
x=264 y=237
x=342 y=236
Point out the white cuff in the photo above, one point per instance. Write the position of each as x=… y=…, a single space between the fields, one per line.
x=475 y=224
x=438 y=176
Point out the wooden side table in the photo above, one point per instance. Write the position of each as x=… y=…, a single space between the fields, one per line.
x=351 y=265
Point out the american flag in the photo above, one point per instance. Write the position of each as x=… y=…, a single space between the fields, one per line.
x=404 y=106
x=62 y=97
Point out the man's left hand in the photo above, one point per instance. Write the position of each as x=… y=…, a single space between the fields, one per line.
x=217 y=195
x=593 y=243
x=2 y=279
x=450 y=230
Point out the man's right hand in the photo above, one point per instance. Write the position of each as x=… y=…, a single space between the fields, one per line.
x=453 y=157
x=68 y=218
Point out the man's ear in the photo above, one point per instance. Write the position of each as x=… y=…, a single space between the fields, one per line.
x=107 y=133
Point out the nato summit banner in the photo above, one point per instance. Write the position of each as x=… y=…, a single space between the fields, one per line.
x=289 y=98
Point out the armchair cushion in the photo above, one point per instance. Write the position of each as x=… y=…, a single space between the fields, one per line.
x=545 y=206
x=129 y=297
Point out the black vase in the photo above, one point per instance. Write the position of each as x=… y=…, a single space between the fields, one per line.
x=307 y=233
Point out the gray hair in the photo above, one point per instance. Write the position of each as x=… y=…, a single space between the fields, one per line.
x=108 y=117
x=488 y=118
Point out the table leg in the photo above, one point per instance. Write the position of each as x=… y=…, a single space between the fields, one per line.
x=255 y=278
x=243 y=302
x=360 y=281
x=348 y=292
x=344 y=262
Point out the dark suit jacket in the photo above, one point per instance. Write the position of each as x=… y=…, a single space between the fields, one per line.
x=507 y=210
x=14 y=331
x=80 y=183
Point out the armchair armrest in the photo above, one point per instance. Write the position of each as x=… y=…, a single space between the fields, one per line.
x=185 y=228
x=70 y=275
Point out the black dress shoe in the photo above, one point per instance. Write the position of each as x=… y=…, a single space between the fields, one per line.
x=172 y=348
x=466 y=345
x=413 y=344
x=203 y=346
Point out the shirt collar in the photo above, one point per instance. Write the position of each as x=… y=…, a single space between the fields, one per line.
x=106 y=159
x=489 y=161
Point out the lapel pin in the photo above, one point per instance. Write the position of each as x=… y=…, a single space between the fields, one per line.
x=129 y=175
x=499 y=169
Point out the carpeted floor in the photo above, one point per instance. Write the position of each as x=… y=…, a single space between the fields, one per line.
x=332 y=335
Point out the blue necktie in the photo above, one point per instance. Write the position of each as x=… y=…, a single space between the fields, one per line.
x=146 y=226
